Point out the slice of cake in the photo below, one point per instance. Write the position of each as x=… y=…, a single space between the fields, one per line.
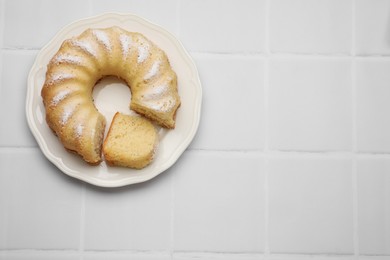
x=131 y=141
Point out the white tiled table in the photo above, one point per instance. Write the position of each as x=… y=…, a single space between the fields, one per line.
x=291 y=160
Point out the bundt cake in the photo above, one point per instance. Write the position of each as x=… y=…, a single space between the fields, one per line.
x=131 y=141
x=81 y=61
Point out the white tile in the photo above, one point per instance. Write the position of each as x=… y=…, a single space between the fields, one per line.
x=135 y=217
x=125 y=256
x=310 y=203
x=374 y=206
x=38 y=255
x=3 y=202
x=373 y=94
x=163 y=13
x=310 y=104
x=32 y=24
x=217 y=256
x=311 y=257
x=2 y=14
x=232 y=103
x=306 y=26
x=16 y=66
x=42 y=205
x=377 y=257
x=372 y=27
x=219 y=202
x=223 y=26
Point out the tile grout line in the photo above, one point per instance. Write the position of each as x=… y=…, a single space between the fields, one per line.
x=20 y=49
x=178 y=23
x=354 y=137
x=199 y=254
x=3 y=235
x=266 y=131
x=82 y=222
x=266 y=54
x=295 y=154
x=81 y=248
x=2 y=28
x=288 y=55
x=355 y=220
x=172 y=219
x=172 y=184
x=2 y=23
x=265 y=154
x=266 y=161
x=353 y=27
x=177 y=255
x=292 y=256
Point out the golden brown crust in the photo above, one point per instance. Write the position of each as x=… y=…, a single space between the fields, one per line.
x=83 y=60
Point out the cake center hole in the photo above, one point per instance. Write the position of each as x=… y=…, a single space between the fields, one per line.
x=112 y=95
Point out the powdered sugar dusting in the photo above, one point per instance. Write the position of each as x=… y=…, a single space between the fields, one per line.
x=143 y=53
x=68 y=58
x=165 y=104
x=126 y=42
x=60 y=76
x=79 y=130
x=156 y=92
x=153 y=70
x=68 y=111
x=60 y=96
x=85 y=46
x=93 y=132
x=102 y=37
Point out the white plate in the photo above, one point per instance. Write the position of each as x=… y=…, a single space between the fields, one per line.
x=116 y=97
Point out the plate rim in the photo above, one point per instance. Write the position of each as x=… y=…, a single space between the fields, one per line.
x=120 y=17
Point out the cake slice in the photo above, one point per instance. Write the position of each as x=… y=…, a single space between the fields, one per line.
x=131 y=141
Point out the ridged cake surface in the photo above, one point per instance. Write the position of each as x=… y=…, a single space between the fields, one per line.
x=83 y=60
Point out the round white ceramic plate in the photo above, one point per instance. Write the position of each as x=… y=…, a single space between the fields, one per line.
x=112 y=95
